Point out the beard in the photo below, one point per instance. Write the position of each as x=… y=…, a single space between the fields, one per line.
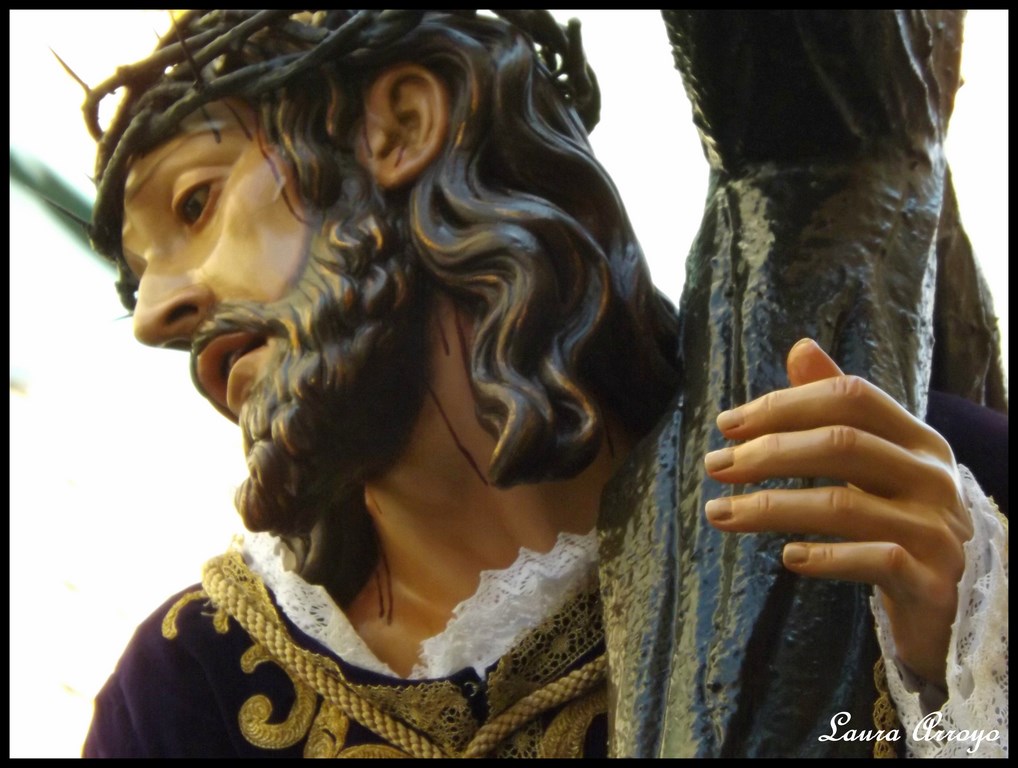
x=345 y=382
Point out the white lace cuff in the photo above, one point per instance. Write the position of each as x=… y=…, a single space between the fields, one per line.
x=973 y=721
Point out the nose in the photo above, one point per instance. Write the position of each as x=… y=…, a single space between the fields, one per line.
x=169 y=317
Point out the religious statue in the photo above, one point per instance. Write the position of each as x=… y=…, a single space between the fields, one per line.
x=504 y=499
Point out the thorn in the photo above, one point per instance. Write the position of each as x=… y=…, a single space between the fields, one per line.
x=70 y=71
x=85 y=225
x=198 y=82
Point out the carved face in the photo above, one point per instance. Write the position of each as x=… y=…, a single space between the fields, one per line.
x=212 y=216
x=310 y=337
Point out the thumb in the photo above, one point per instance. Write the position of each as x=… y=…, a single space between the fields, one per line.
x=806 y=363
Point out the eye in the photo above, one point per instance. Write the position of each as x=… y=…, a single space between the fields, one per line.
x=191 y=207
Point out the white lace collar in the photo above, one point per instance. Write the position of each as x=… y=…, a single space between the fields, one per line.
x=482 y=628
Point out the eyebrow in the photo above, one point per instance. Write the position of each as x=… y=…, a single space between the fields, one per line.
x=214 y=118
x=131 y=189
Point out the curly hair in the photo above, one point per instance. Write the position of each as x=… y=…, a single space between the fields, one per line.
x=515 y=220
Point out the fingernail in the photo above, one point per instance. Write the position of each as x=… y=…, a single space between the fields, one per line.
x=796 y=554
x=803 y=342
x=717 y=460
x=718 y=510
x=729 y=419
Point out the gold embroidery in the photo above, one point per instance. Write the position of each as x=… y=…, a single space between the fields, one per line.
x=567 y=732
x=170 y=619
x=530 y=707
x=884 y=716
x=427 y=719
x=525 y=743
x=437 y=708
x=372 y=750
x=254 y=714
x=234 y=587
x=328 y=732
x=545 y=653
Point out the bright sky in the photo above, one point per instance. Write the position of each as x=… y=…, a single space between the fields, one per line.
x=112 y=448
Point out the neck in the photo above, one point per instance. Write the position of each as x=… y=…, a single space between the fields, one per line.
x=439 y=520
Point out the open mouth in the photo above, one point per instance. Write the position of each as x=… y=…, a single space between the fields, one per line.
x=216 y=362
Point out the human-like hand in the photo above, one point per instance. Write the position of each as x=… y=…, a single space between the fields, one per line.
x=901 y=513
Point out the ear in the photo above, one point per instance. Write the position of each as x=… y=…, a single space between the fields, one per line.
x=406 y=121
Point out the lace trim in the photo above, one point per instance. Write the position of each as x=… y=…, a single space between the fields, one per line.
x=976 y=710
x=483 y=628
x=309 y=606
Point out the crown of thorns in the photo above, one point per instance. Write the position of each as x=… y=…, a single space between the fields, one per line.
x=177 y=79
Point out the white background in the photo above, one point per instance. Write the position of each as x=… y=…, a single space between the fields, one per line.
x=122 y=476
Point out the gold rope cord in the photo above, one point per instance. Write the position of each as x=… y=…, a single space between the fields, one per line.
x=567 y=732
x=547 y=652
x=437 y=708
x=234 y=588
x=576 y=683
x=230 y=584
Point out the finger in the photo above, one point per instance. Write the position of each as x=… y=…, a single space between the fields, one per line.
x=842 y=400
x=883 y=564
x=807 y=362
x=840 y=511
x=848 y=513
x=845 y=453
x=914 y=597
